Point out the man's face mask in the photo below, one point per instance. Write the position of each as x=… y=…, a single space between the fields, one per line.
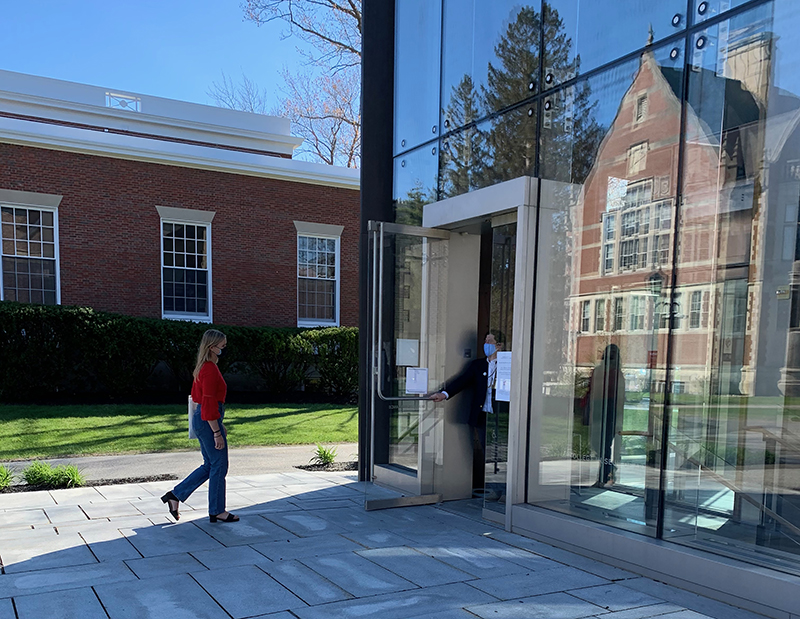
x=489 y=349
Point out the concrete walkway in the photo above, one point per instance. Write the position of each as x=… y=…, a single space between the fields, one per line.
x=243 y=461
x=304 y=548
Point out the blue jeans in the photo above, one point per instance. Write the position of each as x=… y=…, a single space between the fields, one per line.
x=214 y=467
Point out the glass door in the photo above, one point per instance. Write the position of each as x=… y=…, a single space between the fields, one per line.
x=501 y=321
x=408 y=291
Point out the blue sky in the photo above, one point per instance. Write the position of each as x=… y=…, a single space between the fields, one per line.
x=168 y=48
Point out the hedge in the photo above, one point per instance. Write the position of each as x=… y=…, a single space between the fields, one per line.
x=49 y=350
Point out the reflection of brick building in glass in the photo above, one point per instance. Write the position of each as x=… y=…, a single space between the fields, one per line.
x=626 y=218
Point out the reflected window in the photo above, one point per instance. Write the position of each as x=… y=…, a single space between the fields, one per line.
x=619 y=313
x=637 y=313
x=586 y=309
x=695 y=309
x=637 y=159
x=600 y=315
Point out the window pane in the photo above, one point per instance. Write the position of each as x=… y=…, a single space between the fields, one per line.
x=598 y=444
x=734 y=403
x=490 y=58
x=595 y=32
x=416 y=74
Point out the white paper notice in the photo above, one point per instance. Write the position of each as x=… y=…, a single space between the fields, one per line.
x=417 y=380
x=503 y=385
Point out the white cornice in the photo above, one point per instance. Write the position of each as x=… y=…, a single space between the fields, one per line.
x=59 y=137
x=68 y=102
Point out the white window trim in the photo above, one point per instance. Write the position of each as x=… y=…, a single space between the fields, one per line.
x=326 y=231
x=172 y=215
x=41 y=202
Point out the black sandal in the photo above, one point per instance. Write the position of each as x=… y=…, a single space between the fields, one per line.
x=229 y=518
x=171 y=497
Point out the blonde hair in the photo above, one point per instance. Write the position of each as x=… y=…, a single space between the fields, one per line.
x=211 y=338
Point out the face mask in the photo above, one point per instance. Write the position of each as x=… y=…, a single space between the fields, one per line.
x=222 y=352
x=489 y=349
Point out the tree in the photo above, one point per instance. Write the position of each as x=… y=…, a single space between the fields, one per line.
x=323 y=101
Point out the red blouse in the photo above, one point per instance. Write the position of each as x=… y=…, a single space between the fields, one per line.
x=208 y=390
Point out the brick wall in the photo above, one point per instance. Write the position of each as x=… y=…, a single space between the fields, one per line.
x=109 y=232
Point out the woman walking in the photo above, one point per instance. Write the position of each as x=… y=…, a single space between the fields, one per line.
x=208 y=392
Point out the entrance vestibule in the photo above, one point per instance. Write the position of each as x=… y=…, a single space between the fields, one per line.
x=436 y=291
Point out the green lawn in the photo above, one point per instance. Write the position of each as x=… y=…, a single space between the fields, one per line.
x=28 y=432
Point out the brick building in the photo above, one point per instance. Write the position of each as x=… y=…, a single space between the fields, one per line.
x=152 y=207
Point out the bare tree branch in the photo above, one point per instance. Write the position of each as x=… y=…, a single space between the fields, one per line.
x=323 y=101
x=245 y=95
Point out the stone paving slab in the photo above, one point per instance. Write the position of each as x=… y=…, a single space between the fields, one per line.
x=422 y=570
x=230 y=557
x=615 y=597
x=7 y=608
x=305 y=583
x=299 y=548
x=551 y=606
x=165 y=565
x=644 y=612
x=537 y=583
x=71 y=604
x=12 y=585
x=68 y=549
x=432 y=601
x=357 y=575
x=174 y=596
x=184 y=537
x=247 y=591
x=250 y=530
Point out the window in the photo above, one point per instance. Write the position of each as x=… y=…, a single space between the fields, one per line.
x=317 y=275
x=629 y=254
x=30 y=260
x=585 y=316
x=660 y=249
x=663 y=215
x=185 y=270
x=638 y=194
x=609 y=227
x=618 y=314
x=637 y=313
x=608 y=258
x=643 y=253
x=637 y=158
x=600 y=315
x=630 y=223
x=640 y=115
x=695 y=309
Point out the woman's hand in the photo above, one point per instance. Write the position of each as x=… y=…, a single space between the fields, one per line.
x=219 y=441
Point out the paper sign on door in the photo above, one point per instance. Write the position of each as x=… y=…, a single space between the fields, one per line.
x=503 y=385
x=417 y=380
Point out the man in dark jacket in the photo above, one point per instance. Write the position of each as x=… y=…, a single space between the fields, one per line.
x=479 y=378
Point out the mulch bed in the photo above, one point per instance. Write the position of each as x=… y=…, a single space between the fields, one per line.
x=95 y=482
x=336 y=466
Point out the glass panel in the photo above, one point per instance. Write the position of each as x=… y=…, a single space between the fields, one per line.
x=705 y=9
x=501 y=321
x=491 y=152
x=735 y=385
x=490 y=58
x=414 y=183
x=582 y=35
x=596 y=444
x=416 y=72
